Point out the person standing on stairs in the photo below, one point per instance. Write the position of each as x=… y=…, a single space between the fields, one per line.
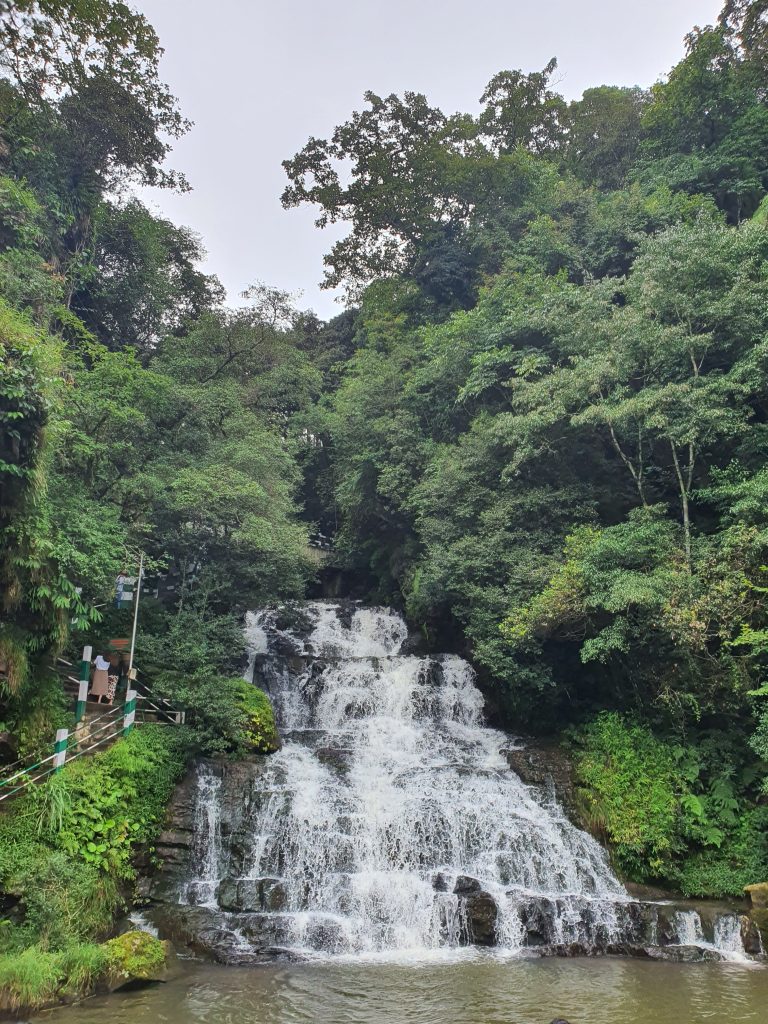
x=113 y=677
x=100 y=682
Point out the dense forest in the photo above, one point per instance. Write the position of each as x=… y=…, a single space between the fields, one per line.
x=540 y=425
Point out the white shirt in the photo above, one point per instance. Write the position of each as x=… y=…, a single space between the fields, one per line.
x=102 y=664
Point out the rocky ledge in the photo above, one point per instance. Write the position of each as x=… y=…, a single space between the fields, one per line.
x=246 y=919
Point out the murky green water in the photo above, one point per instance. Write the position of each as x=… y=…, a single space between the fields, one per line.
x=477 y=991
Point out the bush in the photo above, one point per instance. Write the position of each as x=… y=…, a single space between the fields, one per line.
x=259 y=731
x=684 y=815
x=627 y=790
x=224 y=716
x=66 y=846
x=741 y=860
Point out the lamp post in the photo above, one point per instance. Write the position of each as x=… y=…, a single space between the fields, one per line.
x=136 y=613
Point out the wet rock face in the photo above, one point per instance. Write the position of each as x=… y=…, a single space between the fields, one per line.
x=481 y=913
x=548 y=767
x=758 y=914
x=9 y=751
x=248 y=895
x=175 y=850
x=174 y=844
x=685 y=954
x=244 y=919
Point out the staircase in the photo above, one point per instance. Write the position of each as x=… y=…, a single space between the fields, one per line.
x=99 y=726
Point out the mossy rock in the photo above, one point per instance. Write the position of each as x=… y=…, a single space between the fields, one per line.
x=260 y=733
x=760 y=917
x=758 y=895
x=136 y=956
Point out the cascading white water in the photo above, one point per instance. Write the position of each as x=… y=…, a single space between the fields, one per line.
x=727 y=940
x=390 y=795
x=390 y=820
x=201 y=890
x=688 y=927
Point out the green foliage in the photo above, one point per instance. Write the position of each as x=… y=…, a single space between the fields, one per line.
x=67 y=845
x=628 y=792
x=223 y=716
x=684 y=814
x=30 y=979
x=260 y=732
x=36 y=976
x=741 y=858
x=135 y=955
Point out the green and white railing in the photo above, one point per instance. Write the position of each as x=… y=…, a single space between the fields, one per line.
x=90 y=734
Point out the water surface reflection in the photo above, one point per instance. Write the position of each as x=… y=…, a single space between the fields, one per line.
x=482 y=990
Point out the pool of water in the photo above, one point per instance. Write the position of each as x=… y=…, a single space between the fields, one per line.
x=480 y=990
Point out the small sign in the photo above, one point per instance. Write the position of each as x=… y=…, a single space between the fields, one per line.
x=124 y=590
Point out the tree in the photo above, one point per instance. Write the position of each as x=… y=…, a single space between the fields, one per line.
x=422 y=187
x=83 y=50
x=142 y=282
x=521 y=110
x=604 y=134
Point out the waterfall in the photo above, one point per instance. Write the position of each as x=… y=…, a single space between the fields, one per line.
x=689 y=929
x=727 y=938
x=202 y=890
x=390 y=821
x=727 y=941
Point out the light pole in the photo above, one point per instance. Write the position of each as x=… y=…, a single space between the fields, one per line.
x=135 y=615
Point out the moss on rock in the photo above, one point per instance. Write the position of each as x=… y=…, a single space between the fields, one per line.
x=136 y=956
x=758 y=894
x=260 y=731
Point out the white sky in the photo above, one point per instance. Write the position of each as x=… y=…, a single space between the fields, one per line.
x=259 y=78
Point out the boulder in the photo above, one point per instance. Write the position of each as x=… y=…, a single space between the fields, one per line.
x=465 y=884
x=481 y=912
x=750 y=935
x=759 y=917
x=757 y=895
x=251 y=895
x=9 y=750
x=136 y=956
x=548 y=767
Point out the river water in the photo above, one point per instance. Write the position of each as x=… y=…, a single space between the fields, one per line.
x=476 y=990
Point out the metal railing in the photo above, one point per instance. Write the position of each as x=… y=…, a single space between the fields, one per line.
x=85 y=739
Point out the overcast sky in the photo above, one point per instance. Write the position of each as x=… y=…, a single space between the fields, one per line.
x=258 y=78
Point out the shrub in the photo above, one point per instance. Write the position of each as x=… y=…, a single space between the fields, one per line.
x=259 y=731
x=627 y=790
x=741 y=860
x=224 y=716
x=66 y=846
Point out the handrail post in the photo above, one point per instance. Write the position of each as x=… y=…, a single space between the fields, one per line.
x=130 y=711
x=82 y=693
x=60 y=749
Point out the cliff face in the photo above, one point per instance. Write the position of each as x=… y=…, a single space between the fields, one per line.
x=546 y=765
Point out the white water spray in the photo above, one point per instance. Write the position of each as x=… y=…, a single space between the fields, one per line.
x=390 y=821
x=201 y=890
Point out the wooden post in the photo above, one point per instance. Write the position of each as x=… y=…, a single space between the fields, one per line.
x=60 y=749
x=82 y=693
x=130 y=711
